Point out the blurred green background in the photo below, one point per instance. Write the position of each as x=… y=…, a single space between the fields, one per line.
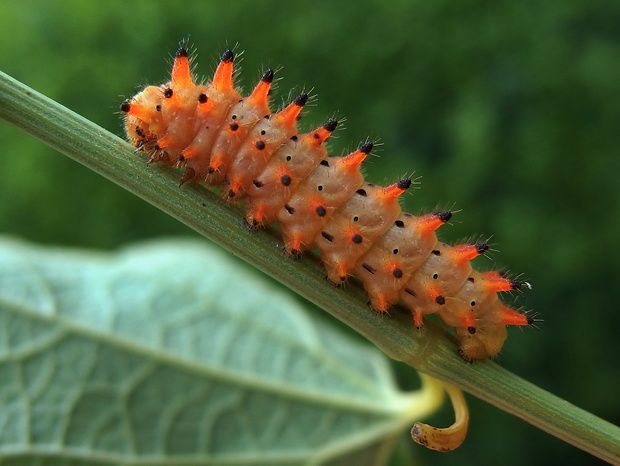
x=508 y=110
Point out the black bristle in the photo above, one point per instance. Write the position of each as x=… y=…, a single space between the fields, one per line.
x=228 y=56
x=301 y=99
x=267 y=76
x=330 y=125
x=366 y=147
x=404 y=183
x=481 y=248
x=444 y=216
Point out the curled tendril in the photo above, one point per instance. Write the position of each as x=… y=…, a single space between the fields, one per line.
x=448 y=438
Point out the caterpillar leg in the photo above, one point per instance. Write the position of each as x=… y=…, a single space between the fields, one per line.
x=380 y=303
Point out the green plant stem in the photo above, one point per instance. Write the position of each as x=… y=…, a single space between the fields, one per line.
x=430 y=350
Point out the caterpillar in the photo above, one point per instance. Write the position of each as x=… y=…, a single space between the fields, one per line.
x=320 y=202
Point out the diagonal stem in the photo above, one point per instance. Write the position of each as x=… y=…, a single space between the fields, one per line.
x=431 y=350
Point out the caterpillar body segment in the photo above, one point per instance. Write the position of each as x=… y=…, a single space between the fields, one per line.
x=286 y=169
x=312 y=205
x=392 y=261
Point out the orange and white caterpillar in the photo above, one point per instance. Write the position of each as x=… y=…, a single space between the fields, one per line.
x=320 y=202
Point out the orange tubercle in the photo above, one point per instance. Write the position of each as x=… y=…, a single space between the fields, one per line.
x=223 y=78
x=394 y=269
x=258 y=214
x=141 y=112
x=466 y=252
x=494 y=281
x=512 y=317
x=354 y=235
x=216 y=162
x=206 y=106
x=233 y=187
x=295 y=246
x=317 y=202
x=431 y=222
x=172 y=101
x=418 y=319
x=165 y=141
x=283 y=174
x=352 y=161
x=380 y=303
x=288 y=115
x=260 y=94
x=392 y=192
x=468 y=321
x=181 y=73
x=341 y=270
x=434 y=293
x=189 y=153
x=319 y=136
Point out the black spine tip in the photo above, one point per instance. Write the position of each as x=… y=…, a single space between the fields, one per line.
x=125 y=107
x=267 y=76
x=515 y=284
x=330 y=125
x=444 y=216
x=471 y=330
x=202 y=98
x=366 y=147
x=301 y=99
x=481 y=248
x=228 y=56
x=404 y=184
x=181 y=52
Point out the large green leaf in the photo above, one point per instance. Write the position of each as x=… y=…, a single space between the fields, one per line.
x=173 y=353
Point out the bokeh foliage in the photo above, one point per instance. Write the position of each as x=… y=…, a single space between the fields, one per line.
x=508 y=110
